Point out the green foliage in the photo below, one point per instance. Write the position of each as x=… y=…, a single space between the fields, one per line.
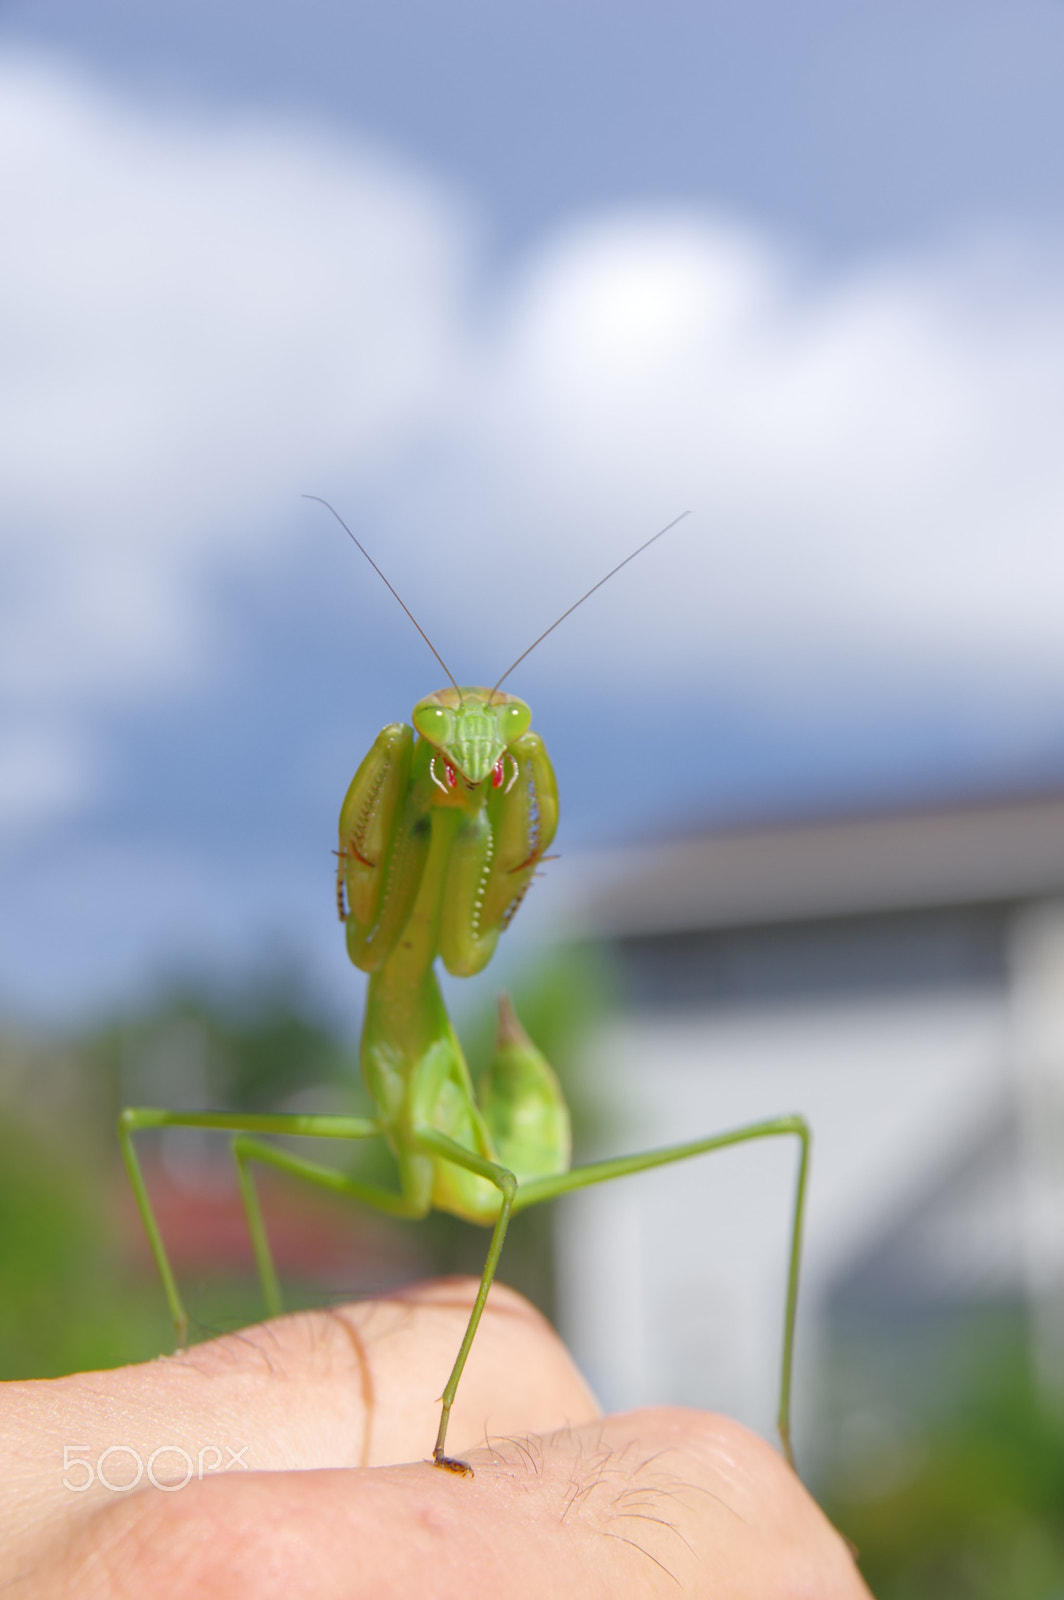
x=977 y=1510
x=63 y=1303
x=73 y=1295
x=47 y=1232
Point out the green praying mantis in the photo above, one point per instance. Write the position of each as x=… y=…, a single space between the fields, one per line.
x=441 y=831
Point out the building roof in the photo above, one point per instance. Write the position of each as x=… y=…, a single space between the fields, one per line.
x=991 y=850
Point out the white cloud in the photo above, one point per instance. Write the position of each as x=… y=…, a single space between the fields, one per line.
x=201 y=318
x=875 y=463
x=197 y=319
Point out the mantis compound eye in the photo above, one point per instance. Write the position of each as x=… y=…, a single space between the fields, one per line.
x=434 y=723
x=512 y=720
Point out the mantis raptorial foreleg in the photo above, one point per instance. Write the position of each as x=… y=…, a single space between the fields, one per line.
x=441 y=832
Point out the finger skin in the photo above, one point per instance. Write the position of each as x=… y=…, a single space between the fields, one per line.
x=357 y=1386
x=561 y=1501
x=651 y=1503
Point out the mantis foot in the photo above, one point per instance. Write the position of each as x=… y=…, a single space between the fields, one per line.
x=450 y=1464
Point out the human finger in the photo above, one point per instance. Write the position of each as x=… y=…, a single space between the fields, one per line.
x=355 y=1386
x=658 y=1502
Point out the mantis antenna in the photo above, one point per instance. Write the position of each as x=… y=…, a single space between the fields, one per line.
x=399 y=597
x=613 y=571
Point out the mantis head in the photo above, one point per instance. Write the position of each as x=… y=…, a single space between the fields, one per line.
x=472 y=728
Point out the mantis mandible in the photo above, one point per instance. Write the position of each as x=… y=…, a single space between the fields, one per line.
x=441 y=831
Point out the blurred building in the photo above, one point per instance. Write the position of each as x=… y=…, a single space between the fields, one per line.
x=898 y=978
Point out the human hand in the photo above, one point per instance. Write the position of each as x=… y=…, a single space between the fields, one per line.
x=300 y=1440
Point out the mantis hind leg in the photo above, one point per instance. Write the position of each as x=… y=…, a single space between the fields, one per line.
x=136 y=1119
x=549 y=1188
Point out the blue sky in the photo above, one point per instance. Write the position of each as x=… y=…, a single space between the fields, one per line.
x=512 y=285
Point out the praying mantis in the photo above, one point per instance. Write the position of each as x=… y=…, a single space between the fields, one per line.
x=441 y=832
